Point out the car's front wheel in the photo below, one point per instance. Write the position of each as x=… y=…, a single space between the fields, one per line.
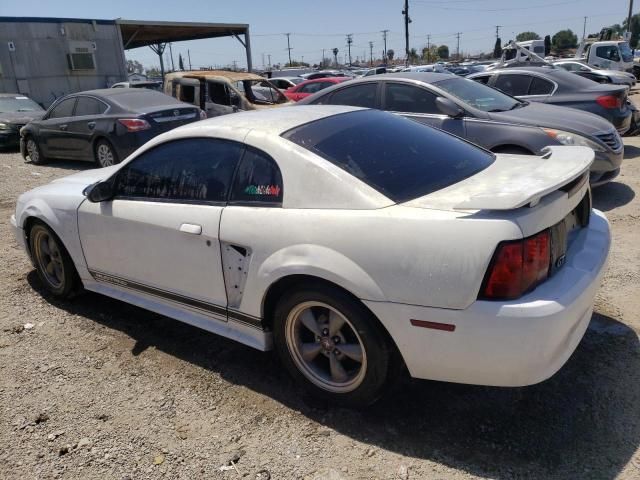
x=333 y=345
x=33 y=151
x=53 y=263
x=105 y=154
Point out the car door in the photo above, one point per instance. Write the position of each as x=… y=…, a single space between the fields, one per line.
x=52 y=134
x=87 y=119
x=159 y=234
x=419 y=104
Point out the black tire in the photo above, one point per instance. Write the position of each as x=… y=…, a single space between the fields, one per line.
x=53 y=265
x=377 y=359
x=34 y=152
x=104 y=154
x=512 y=149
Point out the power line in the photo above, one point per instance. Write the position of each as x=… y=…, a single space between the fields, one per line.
x=530 y=7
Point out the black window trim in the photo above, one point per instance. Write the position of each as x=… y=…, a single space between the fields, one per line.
x=220 y=203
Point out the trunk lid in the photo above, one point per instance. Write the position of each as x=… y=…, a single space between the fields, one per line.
x=514 y=181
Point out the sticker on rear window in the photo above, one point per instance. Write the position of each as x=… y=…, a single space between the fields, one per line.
x=271 y=190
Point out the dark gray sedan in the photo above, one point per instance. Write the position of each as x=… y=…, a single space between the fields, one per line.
x=482 y=115
x=104 y=126
x=16 y=110
x=555 y=86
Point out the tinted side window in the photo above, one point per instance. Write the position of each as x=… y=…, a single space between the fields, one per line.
x=571 y=67
x=89 y=106
x=540 y=86
x=357 y=96
x=258 y=179
x=610 y=53
x=194 y=169
x=483 y=79
x=63 y=109
x=312 y=87
x=513 y=84
x=406 y=98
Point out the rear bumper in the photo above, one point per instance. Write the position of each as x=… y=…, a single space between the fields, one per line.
x=513 y=343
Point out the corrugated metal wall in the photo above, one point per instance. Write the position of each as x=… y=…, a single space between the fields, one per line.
x=33 y=57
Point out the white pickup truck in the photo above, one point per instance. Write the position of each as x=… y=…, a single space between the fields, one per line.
x=608 y=55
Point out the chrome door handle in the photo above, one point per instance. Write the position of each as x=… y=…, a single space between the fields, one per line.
x=64 y=127
x=91 y=125
x=191 y=228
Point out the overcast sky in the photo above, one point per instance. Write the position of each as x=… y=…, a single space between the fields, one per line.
x=323 y=24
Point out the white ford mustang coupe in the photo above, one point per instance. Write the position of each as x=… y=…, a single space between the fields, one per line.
x=353 y=241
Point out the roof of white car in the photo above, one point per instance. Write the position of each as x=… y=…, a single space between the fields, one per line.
x=273 y=120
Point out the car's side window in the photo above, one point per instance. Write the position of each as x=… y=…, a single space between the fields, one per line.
x=186 y=170
x=89 y=106
x=482 y=79
x=513 y=84
x=63 y=109
x=540 y=86
x=608 y=52
x=311 y=87
x=407 y=98
x=363 y=95
x=258 y=180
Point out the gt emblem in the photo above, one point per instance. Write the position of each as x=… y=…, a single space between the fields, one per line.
x=176 y=113
x=561 y=261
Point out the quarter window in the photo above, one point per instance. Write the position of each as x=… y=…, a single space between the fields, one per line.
x=513 y=84
x=406 y=98
x=188 y=170
x=258 y=179
x=63 y=109
x=357 y=96
x=89 y=106
x=540 y=86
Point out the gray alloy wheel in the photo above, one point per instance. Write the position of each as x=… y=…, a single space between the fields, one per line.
x=325 y=347
x=33 y=151
x=105 y=155
x=49 y=260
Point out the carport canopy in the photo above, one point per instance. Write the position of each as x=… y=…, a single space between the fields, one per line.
x=141 y=33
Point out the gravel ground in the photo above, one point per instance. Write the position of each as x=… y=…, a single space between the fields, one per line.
x=96 y=389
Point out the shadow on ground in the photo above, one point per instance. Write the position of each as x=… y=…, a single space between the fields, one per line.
x=66 y=165
x=631 y=152
x=612 y=195
x=582 y=423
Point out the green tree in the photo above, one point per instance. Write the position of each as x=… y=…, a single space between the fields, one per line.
x=547 y=45
x=134 y=66
x=565 y=39
x=390 y=54
x=413 y=55
x=153 y=72
x=525 y=36
x=443 y=52
x=497 y=49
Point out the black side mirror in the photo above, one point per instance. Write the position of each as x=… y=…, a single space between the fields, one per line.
x=449 y=108
x=100 y=192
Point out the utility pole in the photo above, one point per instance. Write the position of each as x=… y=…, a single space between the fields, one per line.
x=288 y=47
x=349 y=42
x=322 y=64
x=629 y=17
x=584 y=28
x=371 y=54
x=302 y=58
x=384 y=38
x=189 y=55
x=498 y=31
x=269 y=57
x=458 y=47
x=407 y=20
x=429 y=48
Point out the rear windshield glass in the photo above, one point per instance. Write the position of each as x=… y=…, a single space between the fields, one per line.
x=135 y=98
x=400 y=158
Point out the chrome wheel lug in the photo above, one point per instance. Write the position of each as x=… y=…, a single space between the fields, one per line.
x=325 y=331
x=336 y=339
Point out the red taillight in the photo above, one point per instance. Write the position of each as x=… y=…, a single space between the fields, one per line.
x=517 y=267
x=609 y=101
x=134 y=124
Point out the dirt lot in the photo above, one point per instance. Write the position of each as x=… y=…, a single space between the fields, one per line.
x=98 y=389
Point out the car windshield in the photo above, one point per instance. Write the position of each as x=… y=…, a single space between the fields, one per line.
x=18 y=104
x=625 y=50
x=260 y=92
x=400 y=158
x=478 y=95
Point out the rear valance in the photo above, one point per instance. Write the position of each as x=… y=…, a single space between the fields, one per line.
x=512 y=181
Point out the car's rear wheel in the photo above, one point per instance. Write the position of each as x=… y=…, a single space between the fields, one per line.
x=105 y=154
x=33 y=151
x=331 y=344
x=53 y=263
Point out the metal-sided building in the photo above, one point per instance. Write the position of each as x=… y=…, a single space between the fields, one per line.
x=46 y=58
